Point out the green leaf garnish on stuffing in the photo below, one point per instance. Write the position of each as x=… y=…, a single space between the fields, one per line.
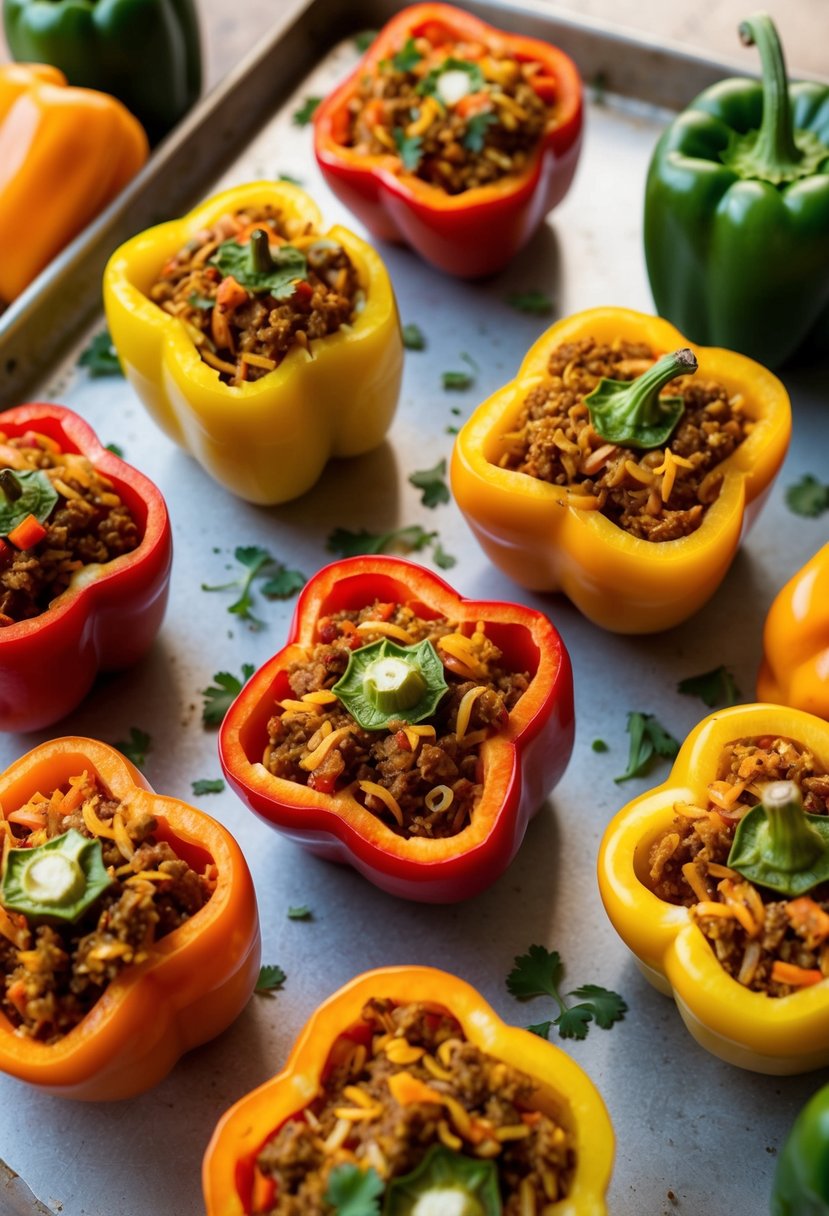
x=260 y=268
x=413 y=338
x=354 y=1192
x=58 y=881
x=409 y=149
x=808 y=497
x=300 y=912
x=385 y=683
x=407 y=57
x=536 y=302
x=258 y=563
x=647 y=738
x=136 y=747
x=433 y=484
x=476 y=128
x=208 y=785
x=428 y=86
x=23 y=494
x=716 y=687
x=306 y=111
x=539 y=972
x=271 y=979
x=100 y=357
x=220 y=695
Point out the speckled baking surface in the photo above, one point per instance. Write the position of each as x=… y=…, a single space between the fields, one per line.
x=694 y=1136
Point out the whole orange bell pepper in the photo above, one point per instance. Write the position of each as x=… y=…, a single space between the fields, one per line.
x=795 y=668
x=528 y=528
x=228 y=1169
x=64 y=155
x=197 y=978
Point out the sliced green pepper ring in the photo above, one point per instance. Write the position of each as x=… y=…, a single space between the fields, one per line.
x=777 y=845
x=57 y=881
x=446 y=1184
x=386 y=683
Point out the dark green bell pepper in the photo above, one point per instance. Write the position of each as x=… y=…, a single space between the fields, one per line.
x=737 y=211
x=145 y=52
x=801 y=1182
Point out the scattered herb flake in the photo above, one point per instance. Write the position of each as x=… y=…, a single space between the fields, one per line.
x=411 y=539
x=461 y=380
x=271 y=979
x=353 y=1191
x=202 y=302
x=452 y=430
x=283 y=584
x=716 y=687
x=536 y=302
x=808 y=497
x=433 y=484
x=476 y=127
x=407 y=57
x=288 y=177
x=364 y=39
x=540 y=972
x=259 y=563
x=306 y=111
x=220 y=695
x=136 y=748
x=301 y=912
x=208 y=785
x=116 y=450
x=599 y=745
x=100 y=357
x=413 y=338
x=647 y=738
x=409 y=149
x=442 y=559
x=598 y=88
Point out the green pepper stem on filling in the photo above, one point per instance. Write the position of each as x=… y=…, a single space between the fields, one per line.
x=631 y=413
x=387 y=683
x=446 y=1184
x=57 y=881
x=777 y=845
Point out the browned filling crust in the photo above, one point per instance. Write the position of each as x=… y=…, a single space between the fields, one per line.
x=52 y=975
x=751 y=928
x=657 y=495
x=426 y=777
x=89 y=524
x=364 y=1114
x=487 y=134
x=242 y=334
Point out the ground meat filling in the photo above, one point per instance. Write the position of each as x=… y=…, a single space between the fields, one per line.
x=477 y=1106
x=657 y=495
x=52 y=975
x=244 y=335
x=431 y=771
x=688 y=865
x=88 y=524
x=455 y=143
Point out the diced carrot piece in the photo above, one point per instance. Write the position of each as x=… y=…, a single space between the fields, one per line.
x=28 y=533
x=808 y=920
x=407 y=1089
x=795 y=977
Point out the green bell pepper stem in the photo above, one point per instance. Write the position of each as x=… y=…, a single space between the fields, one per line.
x=801 y=1180
x=789 y=843
x=10 y=486
x=391 y=684
x=261 y=261
x=56 y=881
x=775 y=154
x=386 y=684
x=446 y=1183
x=632 y=412
x=779 y=846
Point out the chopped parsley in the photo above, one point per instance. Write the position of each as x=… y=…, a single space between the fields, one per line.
x=100 y=357
x=647 y=738
x=300 y=912
x=219 y=696
x=432 y=482
x=536 y=302
x=476 y=127
x=287 y=177
x=539 y=973
x=409 y=149
x=716 y=687
x=407 y=57
x=353 y=1191
x=136 y=747
x=442 y=559
x=306 y=111
x=271 y=979
x=808 y=497
x=285 y=265
x=599 y=745
x=281 y=583
x=116 y=450
x=208 y=785
x=458 y=381
x=413 y=338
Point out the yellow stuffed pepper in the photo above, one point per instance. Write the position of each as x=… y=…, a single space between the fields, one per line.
x=718 y=881
x=583 y=475
x=259 y=344
x=795 y=668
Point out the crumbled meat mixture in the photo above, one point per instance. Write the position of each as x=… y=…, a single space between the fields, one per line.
x=769 y=928
x=88 y=524
x=432 y=775
x=657 y=495
x=52 y=975
x=476 y=1098
x=244 y=334
x=403 y=108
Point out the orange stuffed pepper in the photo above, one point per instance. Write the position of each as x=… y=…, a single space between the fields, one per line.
x=795 y=668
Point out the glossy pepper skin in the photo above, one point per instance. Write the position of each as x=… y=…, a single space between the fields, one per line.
x=801 y=1180
x=739 y=256
x=778 y=1035
x=109 y=618
x=521 y=763
x=227 y=1171
x=64 y=155
x=476 y=232
x=625 y=584
x=195 y=982
x=144 y=52
x=268 y=440
x=795 y=668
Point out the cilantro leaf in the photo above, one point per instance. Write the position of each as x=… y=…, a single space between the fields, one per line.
x=606 y=1007
x=208 y=785
x=646 y=738
x=409 y=149
x=283 y=266
x=100 y=357
x=354 y=1192
x=284 y=584
x=288 y=177
x=432 y=483
x=364 y=39
x=442 y=559
x=461 y=380
x=281 y=582
x=542 y=1029
x=599 y=745
x=475 y=136
x=598 y=88
x=536 y=302
x=413 y=338
x=202 y=302
x=715 y=687
x=301 y=912
x=536 y=973
x=136 y=748
x=808 y=497
x=573 y=1023
x=271 y=979
x=115 y=449
x=539 y=973
x=407 y=57
x=349 y=544
x=306 y=111
x=219 y=696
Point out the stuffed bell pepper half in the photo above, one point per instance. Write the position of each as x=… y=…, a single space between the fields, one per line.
x=795 y=667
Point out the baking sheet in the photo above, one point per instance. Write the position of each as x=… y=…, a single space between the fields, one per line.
x=694 y=1136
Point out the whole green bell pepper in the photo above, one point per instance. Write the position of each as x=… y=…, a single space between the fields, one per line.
x=145 y=52
x=737 y=211
x=801 y=1183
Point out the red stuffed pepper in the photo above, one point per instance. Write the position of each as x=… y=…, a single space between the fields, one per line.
x=453 y=137
x=85 y=562
x=404 y=730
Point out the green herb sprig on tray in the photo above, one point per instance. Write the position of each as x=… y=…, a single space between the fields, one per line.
x=647 y=739
x=717 y=687
x=136 y=747
x=100 y=358
x=409 y=539
x=808 y=497
x=271 y=979
x=540 y=972
x=280 y=582
x=221 y=694
x=432 y=483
